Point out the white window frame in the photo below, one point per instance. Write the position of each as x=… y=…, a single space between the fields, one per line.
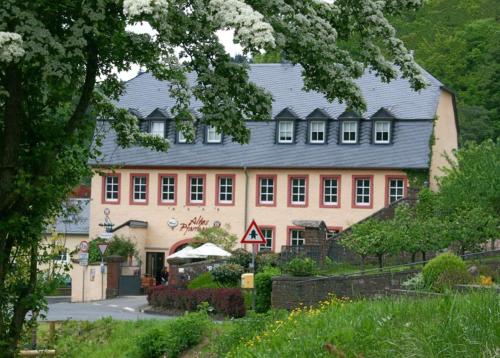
x=330 y=194
x=269 y=236
x=226 y=186
x=142 y=182
x=350 y=127
x=285 y=134
x=301 y=190
x=181 y=138
x=396 y=188
x=267 y=193
x=213 y=136
x=113 y=184
x=382 y=127
x=318 y=127
x=156 y=132
x=366 y=191
x=297 y=237
x=168 y=188
x=199 y=189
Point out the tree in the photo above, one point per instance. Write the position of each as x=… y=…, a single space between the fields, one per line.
x=53 y=52
x=371 y=237
x=216 y=235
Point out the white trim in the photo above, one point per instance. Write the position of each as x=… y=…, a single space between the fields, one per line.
x=385 y=128
x=350 y=127
x=319 y=129
x=286 y=131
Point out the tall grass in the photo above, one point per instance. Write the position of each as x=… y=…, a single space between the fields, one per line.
x=450 y=326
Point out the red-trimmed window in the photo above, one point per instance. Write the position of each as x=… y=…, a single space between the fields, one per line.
x=395 y=188
x=330 y=191
x=139 y=189
x=362 y=195
x=268 y=233
x=167 y=189
x=225 y=189
x=266 y=190
x=196 y=189
x=297 y=191
x=111 y=188
x=296 y=237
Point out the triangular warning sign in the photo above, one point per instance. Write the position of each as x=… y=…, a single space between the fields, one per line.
x=253 y=235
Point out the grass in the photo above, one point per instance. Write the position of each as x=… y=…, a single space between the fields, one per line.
x=205 y=280
x=451 y=326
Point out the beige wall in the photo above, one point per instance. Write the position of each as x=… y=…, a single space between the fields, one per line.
x=159 y=237
x=87 y=283
x=445 y=136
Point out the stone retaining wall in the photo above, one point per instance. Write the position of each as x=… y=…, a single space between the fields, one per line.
x=289 y=292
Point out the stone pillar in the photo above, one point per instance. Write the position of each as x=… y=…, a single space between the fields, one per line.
x=113 y=263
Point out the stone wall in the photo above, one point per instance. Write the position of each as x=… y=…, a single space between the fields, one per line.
x=289 y=292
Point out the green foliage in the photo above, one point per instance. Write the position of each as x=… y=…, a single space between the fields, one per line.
x=118 y=245
x=302 y=267
x=371 y=237
x=263 y=288
x=227 y=275
x=181 y=334
x=205 y=280
x=445 y=271
x=457 y=41
x=264 y=260
x=450 y=326
x=414 y=283
x=216 y=235
x=241 y=257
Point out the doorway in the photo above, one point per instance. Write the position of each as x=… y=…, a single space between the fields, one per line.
x=155 y=261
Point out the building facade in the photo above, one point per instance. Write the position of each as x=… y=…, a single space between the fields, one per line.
x=313 y=160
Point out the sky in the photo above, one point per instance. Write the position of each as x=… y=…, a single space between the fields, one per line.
x=225 y=37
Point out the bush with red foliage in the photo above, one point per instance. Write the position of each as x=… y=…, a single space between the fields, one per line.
x=225 y=301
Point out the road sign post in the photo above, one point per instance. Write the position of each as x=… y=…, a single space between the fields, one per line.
x=253 y=236
x=102 y=249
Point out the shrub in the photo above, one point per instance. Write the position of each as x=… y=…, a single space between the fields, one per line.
x=263 y=288
x=118 y=245
x=414 y=283
x=225 y=301
x=445 y=271
x=180 y=334
x=266 y=259
x=227 y=275
x=216 y=235
x=241 y=257
x=302 y=267
x=205 y=280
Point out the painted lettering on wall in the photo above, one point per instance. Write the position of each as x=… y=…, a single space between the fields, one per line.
x=195 y=224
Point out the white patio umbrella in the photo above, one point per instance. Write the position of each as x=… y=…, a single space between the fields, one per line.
x=183 y=254
x=207 y=250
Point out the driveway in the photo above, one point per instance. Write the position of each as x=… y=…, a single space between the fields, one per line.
x=121 y=308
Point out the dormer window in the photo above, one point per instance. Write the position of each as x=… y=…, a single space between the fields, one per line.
x=317 y=132
x=382 y=132
x=181 y=138
x=213 y=136
x=158 y=128
x=349 y=132
x=285 y=131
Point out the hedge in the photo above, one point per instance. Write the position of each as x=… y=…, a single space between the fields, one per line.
x=263 y=288
x=180 y=335
x=225 y=301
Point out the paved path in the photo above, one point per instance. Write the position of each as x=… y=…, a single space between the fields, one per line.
x=121 y=308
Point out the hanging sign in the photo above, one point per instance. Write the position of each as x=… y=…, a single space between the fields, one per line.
x=253 y=235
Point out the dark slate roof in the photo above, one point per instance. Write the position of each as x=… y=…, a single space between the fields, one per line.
x=413 y=113
x=76 y=223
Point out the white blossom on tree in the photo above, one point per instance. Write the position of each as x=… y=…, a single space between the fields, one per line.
x=144 y=7
x=11 y=46
x=250 y=29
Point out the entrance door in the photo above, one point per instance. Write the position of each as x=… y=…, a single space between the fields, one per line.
x=154 y=263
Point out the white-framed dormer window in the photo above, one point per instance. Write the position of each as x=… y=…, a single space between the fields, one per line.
x=382 y=132
x=285 y=131
x=349 y=132
x=158 y=128
x=181 y=138
x=213 y=136
x=317 y=132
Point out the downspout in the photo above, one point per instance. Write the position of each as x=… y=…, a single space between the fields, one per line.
x=245 y=219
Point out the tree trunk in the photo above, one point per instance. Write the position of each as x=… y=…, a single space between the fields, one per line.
x=423 y=257
x=380 y=261
x=363 y=263
x=413 y=257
